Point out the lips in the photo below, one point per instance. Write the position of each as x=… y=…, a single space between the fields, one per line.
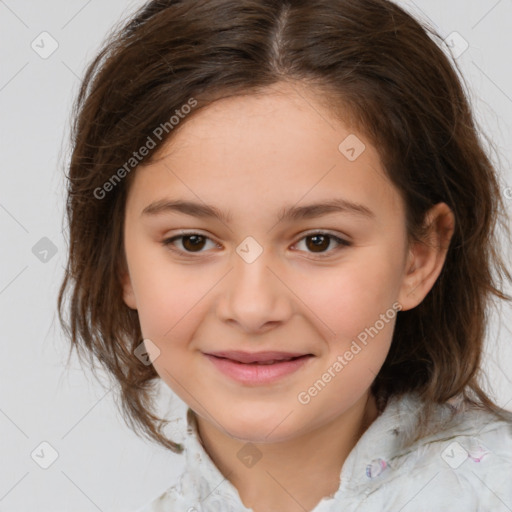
x=269 y=357
x=258 y=368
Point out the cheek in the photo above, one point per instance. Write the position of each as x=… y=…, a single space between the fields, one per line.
x=347 y=299
x=169 y=304
x=166 y=294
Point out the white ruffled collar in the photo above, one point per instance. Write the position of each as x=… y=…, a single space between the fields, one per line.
x=368 y=465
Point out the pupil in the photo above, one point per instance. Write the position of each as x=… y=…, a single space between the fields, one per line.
x=320 y=245
x=195 y=244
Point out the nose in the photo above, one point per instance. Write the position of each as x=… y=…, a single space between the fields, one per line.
x=254 y=295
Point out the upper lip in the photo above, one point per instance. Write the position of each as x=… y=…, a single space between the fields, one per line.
x=255 y=357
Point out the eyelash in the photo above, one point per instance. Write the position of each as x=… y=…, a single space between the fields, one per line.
x=342 y=243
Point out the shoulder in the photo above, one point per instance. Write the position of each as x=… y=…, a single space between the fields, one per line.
x=467 y=465
x=181 y=498
x=170 y=499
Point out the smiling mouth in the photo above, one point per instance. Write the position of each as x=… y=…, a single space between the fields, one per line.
x=258 y=358
x=257 y=373
x=264 y=363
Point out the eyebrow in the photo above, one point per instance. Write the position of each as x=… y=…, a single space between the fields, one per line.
x=290 y=213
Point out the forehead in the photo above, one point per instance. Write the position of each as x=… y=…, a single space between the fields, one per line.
x=261 y=151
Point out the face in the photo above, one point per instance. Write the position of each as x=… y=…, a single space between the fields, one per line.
x=256 y=280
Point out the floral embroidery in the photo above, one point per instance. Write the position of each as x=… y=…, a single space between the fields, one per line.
x=375 y=468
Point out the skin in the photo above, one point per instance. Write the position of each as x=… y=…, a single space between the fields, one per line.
x=250 y=156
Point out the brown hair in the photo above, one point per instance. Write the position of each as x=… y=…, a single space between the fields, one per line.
x=368 y=58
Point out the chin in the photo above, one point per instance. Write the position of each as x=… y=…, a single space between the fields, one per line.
x=254 y=428
x=258 y=434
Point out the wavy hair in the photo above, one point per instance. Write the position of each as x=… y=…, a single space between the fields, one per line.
x=368 y=61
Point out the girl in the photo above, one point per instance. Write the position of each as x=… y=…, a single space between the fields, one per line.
x=283 y=210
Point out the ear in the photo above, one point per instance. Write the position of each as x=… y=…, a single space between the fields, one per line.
x=126 y=283
x=426 y=259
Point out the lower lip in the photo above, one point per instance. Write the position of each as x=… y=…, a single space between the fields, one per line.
x=253 y=373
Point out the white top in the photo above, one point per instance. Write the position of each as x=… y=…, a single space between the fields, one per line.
x=465 y=466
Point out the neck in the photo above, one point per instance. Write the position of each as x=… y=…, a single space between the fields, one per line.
x=296 y=474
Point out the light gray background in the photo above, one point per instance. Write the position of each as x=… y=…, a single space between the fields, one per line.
x=101 y=464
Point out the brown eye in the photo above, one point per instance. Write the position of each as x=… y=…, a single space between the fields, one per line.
x=193 y=242
x=319 y=243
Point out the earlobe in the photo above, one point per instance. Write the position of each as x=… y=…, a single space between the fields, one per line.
x=426 y=259
x=129 y=297
x=128 y=293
